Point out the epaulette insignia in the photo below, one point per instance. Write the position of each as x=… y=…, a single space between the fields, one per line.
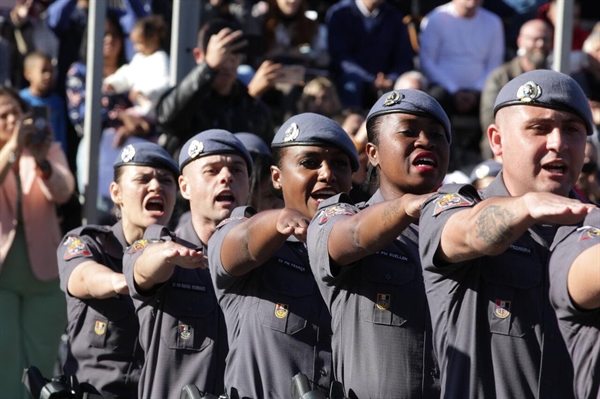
x=76 y=248
x=231 y=219
x=336 y=210
x=589 y=233
x=450 y=201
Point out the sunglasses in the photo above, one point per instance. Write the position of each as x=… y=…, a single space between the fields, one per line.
x=589 y=168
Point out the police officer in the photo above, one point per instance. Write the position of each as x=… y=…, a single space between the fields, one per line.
x=575 y=296
x=485 y=257
x=366 y=258
x=277 y=322
x=182 y=329
x=103 y=329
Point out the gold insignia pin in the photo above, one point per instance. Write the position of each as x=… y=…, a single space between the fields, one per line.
x=502 y=309
x=383 y=301
x=529 y=92
x=100 y=327
x=128 y=153
x=281 y=310
x=393 y=99
x=291 y=133
x=185 y=331
x=195 y=149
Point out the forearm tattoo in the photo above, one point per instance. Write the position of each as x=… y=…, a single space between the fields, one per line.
x=494 y=225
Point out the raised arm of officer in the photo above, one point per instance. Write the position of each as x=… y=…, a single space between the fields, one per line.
x=252 y=242
x=490 y=226
x=156 y=262
x=91 y=279
x=355 y=236
x=575 y=260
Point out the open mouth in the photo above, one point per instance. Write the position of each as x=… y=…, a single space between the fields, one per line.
x=226 y=197
x=425 y=162
x=557 y=168
x=155 y=206
x=322 y=195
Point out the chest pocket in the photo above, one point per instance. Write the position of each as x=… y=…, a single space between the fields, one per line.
x=387 y=288
x=513 y=287
x=110 y=323
x=287 y=303
x=189 y=316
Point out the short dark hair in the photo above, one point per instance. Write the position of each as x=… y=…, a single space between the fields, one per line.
x=213 y=27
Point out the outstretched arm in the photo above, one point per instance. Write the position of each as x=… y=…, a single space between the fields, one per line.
x=371 y=229
x=583 y=281
x=489 y=227
x=251 y=243
x=91 y=279
x=155 y=265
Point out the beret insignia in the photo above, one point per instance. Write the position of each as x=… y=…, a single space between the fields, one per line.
x=291 y=133
x=393 y=99
x=195 y=149
x=529 y=92
x=128 y=153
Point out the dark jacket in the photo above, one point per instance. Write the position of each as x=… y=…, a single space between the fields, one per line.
x=193 y=106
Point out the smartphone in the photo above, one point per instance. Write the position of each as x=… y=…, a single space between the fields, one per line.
x=41 y=122
x=291 y=74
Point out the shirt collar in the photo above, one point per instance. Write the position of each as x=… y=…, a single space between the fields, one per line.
x=363 y=10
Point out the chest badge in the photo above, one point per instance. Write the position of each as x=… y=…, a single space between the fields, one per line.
x=383 y=301
x=281 y=310
x=185 y=331
x=100 y=327
x=502 y=309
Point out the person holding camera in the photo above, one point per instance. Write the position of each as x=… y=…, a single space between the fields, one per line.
x=211 y=96
x=34 y=178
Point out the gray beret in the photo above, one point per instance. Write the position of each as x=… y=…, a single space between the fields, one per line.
x=253 y=143
x=314 y=129
x=213 y=142
x=548 y=89
x=414 y=102
x=485 y=169
x=146 y=154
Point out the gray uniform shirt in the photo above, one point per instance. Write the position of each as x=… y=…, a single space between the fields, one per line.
x=495 y=332
x=103 y=347
x=381 y=331
x=580 y=328
x=182 y=329
x=277 y=323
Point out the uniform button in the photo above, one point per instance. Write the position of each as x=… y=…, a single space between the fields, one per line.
x=286 y=286
x=388 y=276
x=552 y=337
x=190 y=308
x=323 y=372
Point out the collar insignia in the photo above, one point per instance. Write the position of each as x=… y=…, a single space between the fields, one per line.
x=291 y=133
x=128 y=153
x=195 y=149
x=529 y=92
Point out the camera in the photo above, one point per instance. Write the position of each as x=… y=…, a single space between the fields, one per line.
x=41 y=122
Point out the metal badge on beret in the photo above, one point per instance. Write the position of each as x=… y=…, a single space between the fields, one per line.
x=529 y=92
x=195 y=149
x=393 y=99
x=291 y=133
x=128 y=153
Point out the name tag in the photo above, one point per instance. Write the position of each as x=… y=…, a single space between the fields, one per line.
x=291 y=265
x=403 y=258
x=185 y=286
